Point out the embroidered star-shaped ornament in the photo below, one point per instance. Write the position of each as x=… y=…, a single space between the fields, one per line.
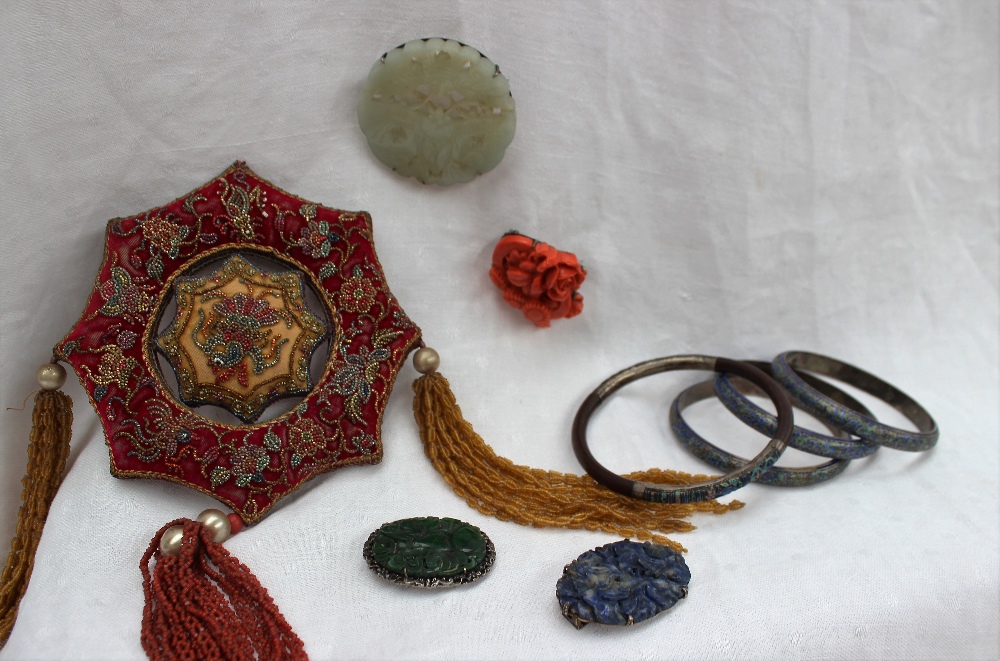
x=187 y=280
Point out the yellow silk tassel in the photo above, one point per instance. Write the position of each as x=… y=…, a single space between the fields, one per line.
x=52 y=422
x=497 y=487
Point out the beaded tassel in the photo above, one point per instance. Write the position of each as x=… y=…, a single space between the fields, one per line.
x=497 y=487
x=205 y=604
x=52 y=422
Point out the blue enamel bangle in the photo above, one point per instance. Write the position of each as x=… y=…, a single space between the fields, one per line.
x=784 y=370
x=700 y=491
x=723 y=460
x=839 y=446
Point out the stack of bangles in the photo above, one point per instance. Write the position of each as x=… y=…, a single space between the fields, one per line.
x=855 y=432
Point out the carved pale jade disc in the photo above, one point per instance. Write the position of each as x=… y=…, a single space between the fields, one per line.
x=437 y=110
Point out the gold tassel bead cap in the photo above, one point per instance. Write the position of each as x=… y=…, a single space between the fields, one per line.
x=51 y=376
x=426 y=360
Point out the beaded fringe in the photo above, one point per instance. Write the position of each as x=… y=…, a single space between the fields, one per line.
x=497 y=487
x=205 y=604
x=51 y=428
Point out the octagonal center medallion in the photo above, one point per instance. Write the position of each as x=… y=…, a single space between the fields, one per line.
x=241 y=338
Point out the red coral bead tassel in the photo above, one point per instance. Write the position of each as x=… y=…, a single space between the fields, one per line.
x=204 y=604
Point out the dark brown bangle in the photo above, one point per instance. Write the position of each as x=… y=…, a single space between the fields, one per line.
x=708 y=490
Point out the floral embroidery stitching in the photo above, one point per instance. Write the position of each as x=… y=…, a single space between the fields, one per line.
x=123 y=298
x=238 y=330
x=149 y=433
x=235 y=324
x=239 y=200
x=317 y=238
x=164 y=235
x=357 y=294
x=248 y=464
x=163 y=435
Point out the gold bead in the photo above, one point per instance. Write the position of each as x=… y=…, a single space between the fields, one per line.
x=51 y=376
x=217 y=522
x=426 y=360
x=170 y=540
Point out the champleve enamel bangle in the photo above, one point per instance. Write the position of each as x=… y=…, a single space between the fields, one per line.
x=839 y=446
x=723 y=460
x=783 y=368
x=700 y=491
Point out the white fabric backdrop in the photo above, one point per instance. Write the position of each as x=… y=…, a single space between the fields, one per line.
x=740 y=178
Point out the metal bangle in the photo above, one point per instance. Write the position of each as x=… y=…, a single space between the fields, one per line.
x=839 y=446
x=714 y=488
x=724 y=460
x=783 y=367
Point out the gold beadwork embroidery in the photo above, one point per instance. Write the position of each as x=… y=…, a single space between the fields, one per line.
x=241 y=338
x=248 y=467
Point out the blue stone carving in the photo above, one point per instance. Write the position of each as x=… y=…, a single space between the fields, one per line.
x=622 y=583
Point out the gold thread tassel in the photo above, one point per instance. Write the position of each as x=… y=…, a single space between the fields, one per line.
x=52 y=423
x=497 y=487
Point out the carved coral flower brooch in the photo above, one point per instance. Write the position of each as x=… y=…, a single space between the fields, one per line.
x=537 y=279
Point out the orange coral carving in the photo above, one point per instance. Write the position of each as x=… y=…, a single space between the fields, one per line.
x=537 y=279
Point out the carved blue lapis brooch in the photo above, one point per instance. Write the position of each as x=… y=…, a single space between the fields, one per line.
x=622 y=583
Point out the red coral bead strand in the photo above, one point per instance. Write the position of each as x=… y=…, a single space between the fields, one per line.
x=203 y=603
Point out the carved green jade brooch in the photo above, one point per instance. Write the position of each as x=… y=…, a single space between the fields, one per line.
x=429 y=552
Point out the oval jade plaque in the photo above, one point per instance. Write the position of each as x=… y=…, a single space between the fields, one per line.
x=429 y=552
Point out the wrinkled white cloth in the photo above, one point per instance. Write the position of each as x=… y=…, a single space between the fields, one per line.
x=739 y=179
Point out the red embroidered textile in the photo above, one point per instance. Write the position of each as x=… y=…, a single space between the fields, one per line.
x=113 y=347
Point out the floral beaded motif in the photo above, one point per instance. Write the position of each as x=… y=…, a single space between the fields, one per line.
x=357 y=293
x=165 y=235
x=124 y=298
x=317 y=238
x=239 y=338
